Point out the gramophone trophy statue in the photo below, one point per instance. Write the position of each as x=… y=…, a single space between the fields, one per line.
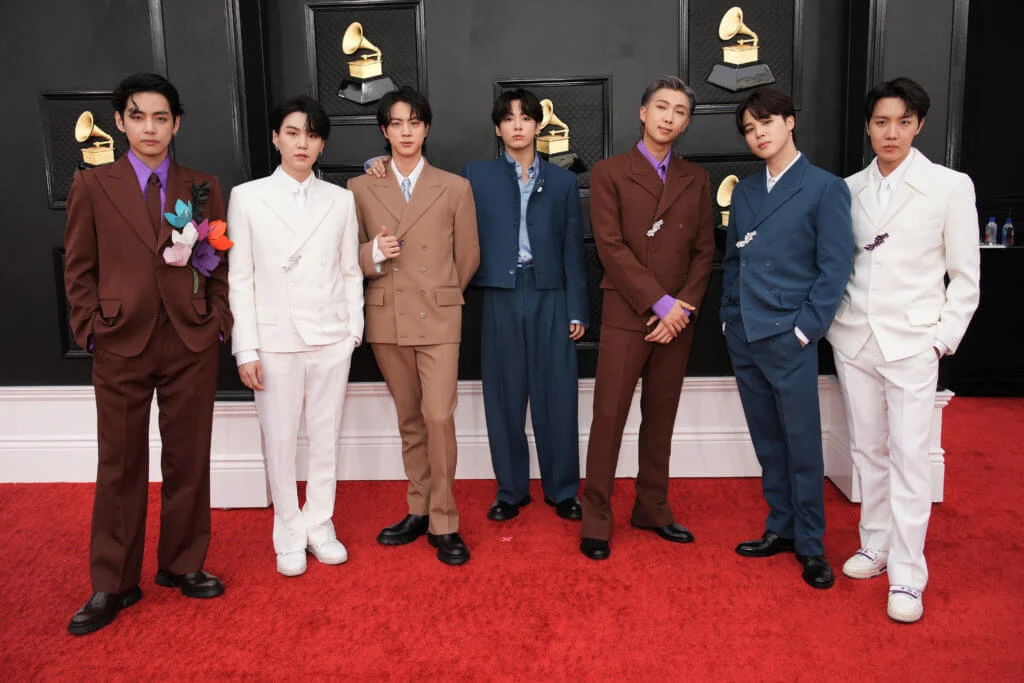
x=101 y=151
x=554 y=144
x=724 y=198
x=739 y=68
x=366 y=82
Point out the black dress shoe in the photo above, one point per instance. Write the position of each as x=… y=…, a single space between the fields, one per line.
x=675 y=532
x=406 y=531
x=769 y=544
x=569 y=508
x=450 y=548
x=502 y=511
x=193 y=585
x=101 y=609
x=595 y=548
x=817 y=572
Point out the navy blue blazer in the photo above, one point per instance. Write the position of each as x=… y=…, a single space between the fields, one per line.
x=553 y=224
x=793 y=272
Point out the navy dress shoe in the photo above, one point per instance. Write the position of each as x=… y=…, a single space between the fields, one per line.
x=817 y=572
x=569 y=508
x=406 y=531
x=193 y=585
x=502 y=511
x=101 y=609
x=769 y=544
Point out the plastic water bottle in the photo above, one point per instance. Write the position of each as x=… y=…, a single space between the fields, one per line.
x=1008 y=232
x=991 y=231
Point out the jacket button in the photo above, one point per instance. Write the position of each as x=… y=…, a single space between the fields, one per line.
x=768 y=262
x=398 y=291
x=422 y=338
x=396 y=269
x=422 y=292
x=423 y=315
x=778 y=324
x=292 y=285
x=511 y=271
x=742 y=263
x=423 y=269
x=770 y=286
x=425 y=247
x=323 y=261
x=770 y=241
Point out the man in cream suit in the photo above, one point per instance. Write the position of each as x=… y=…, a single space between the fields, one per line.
x=914 y=223
x=419 y=250
x=297 y=294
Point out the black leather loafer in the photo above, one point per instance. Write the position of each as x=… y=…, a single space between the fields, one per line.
x=193 y=585
x=769 y=544
x=451 y=549
x=595 y=548
x=101 y=609
x=502 y=511
x=569 y=508
x=675 y=532
x=406 y=531
x=817 y=572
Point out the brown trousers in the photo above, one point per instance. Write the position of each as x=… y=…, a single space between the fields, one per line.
x=424 y=383
x=623 y=358
x=185 y=384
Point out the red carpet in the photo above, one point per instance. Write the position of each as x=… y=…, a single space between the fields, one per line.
x=528 y=606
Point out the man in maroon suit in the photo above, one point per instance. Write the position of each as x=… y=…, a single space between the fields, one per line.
x=653 y=227
x=150 y=325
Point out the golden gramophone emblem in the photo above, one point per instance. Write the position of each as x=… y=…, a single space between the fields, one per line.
x=740 y=67
x=724 y=196
x=101 y=151
x=556 y=140
x=366 y=81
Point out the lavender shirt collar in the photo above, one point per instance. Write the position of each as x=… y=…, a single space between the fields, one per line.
x=661 y=167
x=142 y=173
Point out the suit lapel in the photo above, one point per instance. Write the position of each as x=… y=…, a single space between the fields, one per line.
x=788 y=186
x=281 y=203
x=390 y=196
x=428 y=188
x=644 y=175
x=122 y=187
x=915 y=182
x=867 y=196
x=676 y=181
x=179 y=186
x=318 y=204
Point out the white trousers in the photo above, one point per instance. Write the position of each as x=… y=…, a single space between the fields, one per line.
x=305 y=386
x=889 y=408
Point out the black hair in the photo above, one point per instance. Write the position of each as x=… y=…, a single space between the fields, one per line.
x=764 y=103
x=316 y=117
x=143 y=82
x=416 y=100
x=670 y=83
x=915 y=99
x=528 y=102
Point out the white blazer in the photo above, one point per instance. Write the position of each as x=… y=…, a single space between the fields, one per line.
x=897 y=290
x=294 y=277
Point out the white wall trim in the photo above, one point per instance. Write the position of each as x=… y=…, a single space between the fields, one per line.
x=48 y=434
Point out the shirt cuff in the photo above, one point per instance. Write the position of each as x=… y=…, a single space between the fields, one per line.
x=577 y=322
x=663 y=306
x=378 y=255
x=940 y=347
x=243 y=357
x=801 y=336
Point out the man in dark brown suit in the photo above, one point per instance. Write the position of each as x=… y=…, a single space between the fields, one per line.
x=151 y=325
x=652 y=219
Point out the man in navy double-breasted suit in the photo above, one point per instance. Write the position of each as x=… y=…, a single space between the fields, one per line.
x=789 y=253
x=535 y=306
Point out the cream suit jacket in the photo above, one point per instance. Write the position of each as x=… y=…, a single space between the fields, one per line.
x=898 y=290
x=294 y=277
x=416 y=298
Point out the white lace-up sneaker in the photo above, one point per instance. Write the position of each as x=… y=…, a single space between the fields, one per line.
x=329 y=552
x=905 y=604
x=292 y=564
x=865 y=564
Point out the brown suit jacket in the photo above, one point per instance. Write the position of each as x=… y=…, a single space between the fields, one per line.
x=627 y=198
x=116 y=277
x=417 y=296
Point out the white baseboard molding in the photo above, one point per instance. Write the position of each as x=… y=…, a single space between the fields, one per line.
x=48 y=434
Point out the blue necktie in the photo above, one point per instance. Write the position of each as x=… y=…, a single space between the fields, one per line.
x=407 y=188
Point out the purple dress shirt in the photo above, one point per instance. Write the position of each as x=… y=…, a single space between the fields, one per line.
x=662 y=306
x=142 y=173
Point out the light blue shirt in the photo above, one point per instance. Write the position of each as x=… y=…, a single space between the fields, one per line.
x=525 y=190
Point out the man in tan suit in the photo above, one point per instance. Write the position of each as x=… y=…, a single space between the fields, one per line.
x=419 y=249
x=652 y=218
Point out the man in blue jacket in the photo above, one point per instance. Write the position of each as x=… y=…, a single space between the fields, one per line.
x=535 y=306
x=789 y=253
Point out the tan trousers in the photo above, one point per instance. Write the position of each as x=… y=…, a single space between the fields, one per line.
x=423 y=380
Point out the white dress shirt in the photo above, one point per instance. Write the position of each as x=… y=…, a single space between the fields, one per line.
x=770 y=181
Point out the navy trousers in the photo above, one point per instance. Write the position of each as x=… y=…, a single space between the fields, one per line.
x=527 y=355
x=778 y=384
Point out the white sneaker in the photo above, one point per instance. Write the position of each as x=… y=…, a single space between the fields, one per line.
x=865 y=564
x=905 y=604
x=329 y=552
x=292 y=564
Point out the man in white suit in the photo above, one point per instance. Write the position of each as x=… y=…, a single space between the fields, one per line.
x=914 y=223
x=297 y=293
